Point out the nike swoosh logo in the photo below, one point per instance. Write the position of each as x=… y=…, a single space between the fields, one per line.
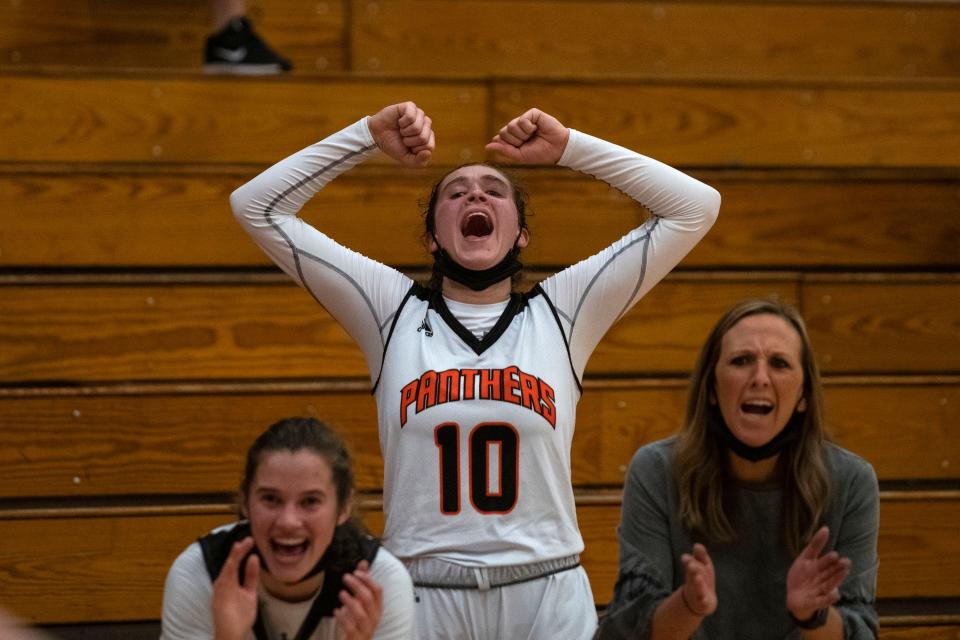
x=231 y=55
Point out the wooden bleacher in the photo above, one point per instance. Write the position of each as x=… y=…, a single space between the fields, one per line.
x=916 y=543
x=144 y=340
x=190 y=437
x=85 y=216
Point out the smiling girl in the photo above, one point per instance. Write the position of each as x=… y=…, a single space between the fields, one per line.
x=298 y=567
x=477 y=385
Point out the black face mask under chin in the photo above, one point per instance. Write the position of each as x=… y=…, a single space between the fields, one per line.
x=477 y=280
x=789 y=435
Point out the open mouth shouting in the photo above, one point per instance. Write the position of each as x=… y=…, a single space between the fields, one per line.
x=476 y=224
x=289 y=551
x=757 y=407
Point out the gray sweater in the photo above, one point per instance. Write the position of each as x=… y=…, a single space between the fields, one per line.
x=751 y=572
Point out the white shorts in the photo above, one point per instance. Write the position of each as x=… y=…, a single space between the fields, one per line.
x=559 y=606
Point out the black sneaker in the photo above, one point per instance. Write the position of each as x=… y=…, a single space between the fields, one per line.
x=238 y=49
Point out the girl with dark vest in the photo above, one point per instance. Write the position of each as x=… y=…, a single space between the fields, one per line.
x=297 y=567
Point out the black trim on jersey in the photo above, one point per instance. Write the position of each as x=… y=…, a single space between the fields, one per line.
x=216 y=548
x=393 y=325
x=422 y=292
x=514 y=306
x=538 y=290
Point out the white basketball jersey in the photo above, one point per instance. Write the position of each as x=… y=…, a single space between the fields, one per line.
x=476 y=435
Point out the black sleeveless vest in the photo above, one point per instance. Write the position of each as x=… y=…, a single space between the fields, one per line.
x=349 y=546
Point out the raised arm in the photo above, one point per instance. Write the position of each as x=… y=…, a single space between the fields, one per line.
x=358 y=292
x=596 y=292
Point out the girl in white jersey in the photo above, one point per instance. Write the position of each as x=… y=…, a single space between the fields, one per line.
x=298 y=567
x=476 y=385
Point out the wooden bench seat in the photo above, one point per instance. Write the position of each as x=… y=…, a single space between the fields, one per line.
x=237 y=330
x=164 y=120
x=755 y=126
x=109 y=565
x=666 y=40
x=873 y=324
x=920 y=632
x=917 y=628
x=84 y=442
x=100 y=35
x=51 y=215
x=582 y=39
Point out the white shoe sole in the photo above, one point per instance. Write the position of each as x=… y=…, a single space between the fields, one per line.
x=227 y=68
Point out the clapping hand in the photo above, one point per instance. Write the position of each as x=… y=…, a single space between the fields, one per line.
x=699 y=589
x=813 y=581
x=362 y=602
x=235 y=604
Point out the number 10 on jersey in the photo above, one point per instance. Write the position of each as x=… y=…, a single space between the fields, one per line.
x=492 y=462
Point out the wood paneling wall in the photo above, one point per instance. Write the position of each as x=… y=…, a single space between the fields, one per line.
x=144 y=340
x=135 y=216
x=92 y=578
